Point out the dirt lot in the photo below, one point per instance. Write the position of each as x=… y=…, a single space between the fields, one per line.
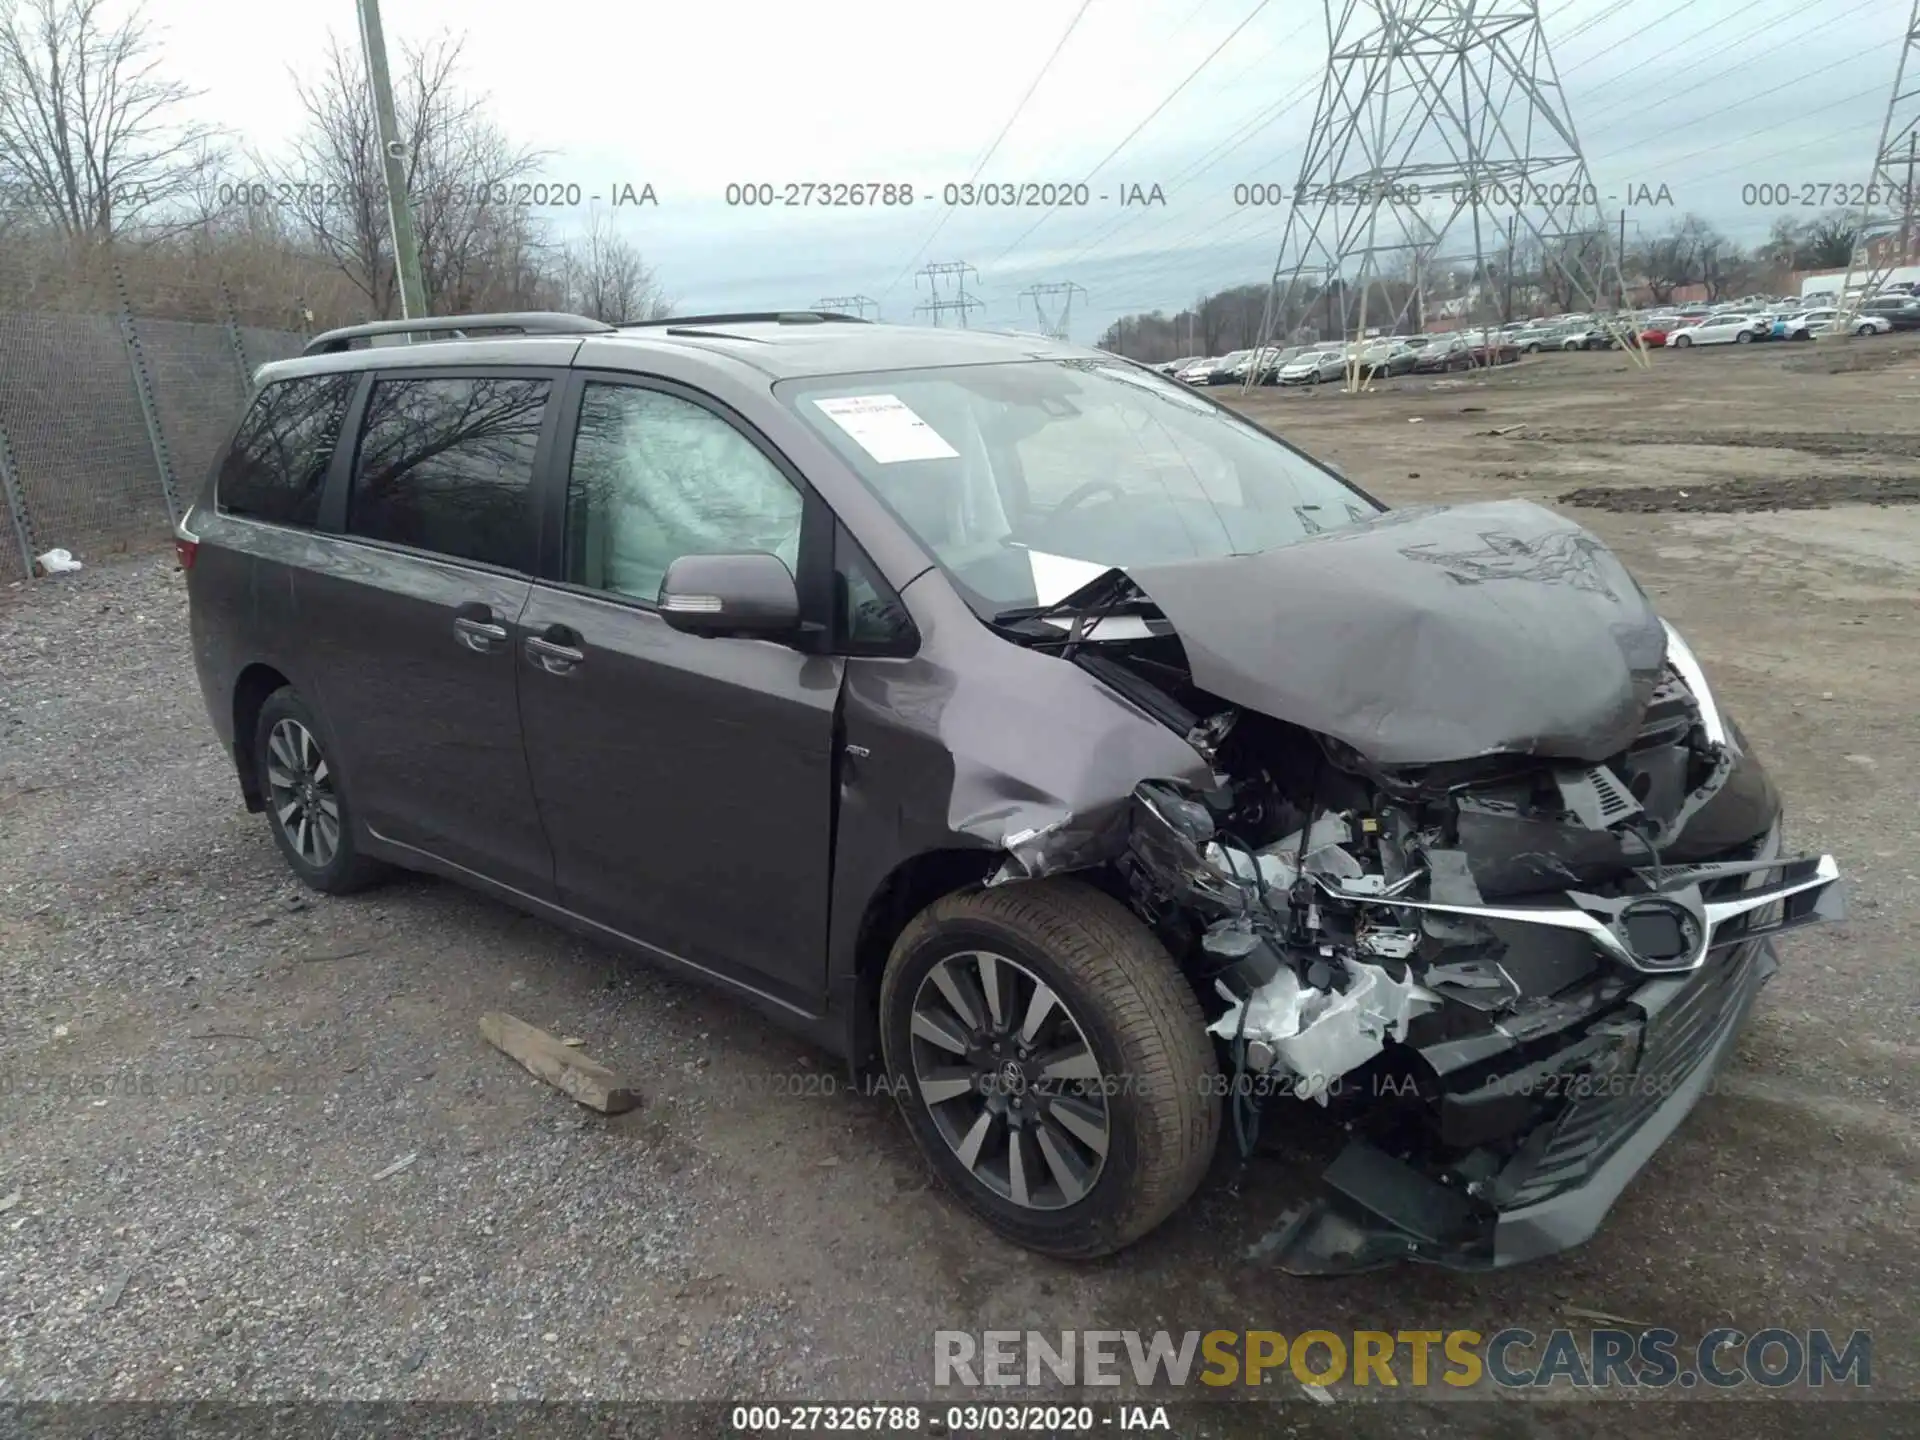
x=211 y=1073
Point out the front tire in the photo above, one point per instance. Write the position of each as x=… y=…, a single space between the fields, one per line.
x=1745 y=337
x=1052 y=1064
x=306 y=798
x=1685 y=342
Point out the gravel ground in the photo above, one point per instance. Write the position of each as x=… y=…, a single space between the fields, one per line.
x=261 y=1151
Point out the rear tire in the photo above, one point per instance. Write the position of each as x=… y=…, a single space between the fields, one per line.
x=307 y=805
x=1141 y=1108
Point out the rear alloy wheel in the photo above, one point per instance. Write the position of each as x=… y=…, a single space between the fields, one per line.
x=306 y=802
x=1052 y=1063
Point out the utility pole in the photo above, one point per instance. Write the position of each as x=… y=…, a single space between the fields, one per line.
x=1622 y=252
x=1437 y=114
x=1506 y=317
x=1906 y=202
x=1055 y=326
x=937 y=304
x=1875 y=219
x=393 y=154
x=854 y=305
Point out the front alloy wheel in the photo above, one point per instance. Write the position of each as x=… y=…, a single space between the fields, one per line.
x=1051 y=1062
x=1009 y=1079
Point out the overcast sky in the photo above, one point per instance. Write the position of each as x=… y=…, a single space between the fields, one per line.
x=1704 y=97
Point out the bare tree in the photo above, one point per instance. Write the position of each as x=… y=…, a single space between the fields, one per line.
x=604 y=276
x=1829 y=242
x=92 y=139
x=1667 y=261
x=480 y=241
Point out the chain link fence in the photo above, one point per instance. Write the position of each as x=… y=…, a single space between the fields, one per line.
x=114 y=405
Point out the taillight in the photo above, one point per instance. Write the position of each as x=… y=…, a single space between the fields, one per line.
x=186 y=544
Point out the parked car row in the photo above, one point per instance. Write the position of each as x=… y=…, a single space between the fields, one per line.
x=1746 y=325
x=1750 y=321
x=1380 y=357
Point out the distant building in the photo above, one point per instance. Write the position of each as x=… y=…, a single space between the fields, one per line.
x=1815 y=282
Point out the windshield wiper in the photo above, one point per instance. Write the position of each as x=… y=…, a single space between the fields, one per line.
x=1087 y=596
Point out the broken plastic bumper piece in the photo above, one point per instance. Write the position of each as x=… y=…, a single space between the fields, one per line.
x=1554 y=1191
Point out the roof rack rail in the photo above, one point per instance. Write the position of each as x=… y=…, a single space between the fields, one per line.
x=459 y=327
x=777 y=317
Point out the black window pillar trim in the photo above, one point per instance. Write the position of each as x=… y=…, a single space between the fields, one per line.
x=332 y=519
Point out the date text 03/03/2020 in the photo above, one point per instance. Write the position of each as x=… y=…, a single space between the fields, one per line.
x=969 y=1419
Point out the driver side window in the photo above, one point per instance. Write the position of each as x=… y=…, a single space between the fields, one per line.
x=655 y=477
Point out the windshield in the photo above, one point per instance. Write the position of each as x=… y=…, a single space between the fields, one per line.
x=1025 y=480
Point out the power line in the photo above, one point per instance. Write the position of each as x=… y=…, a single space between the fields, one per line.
x=1280 y=108
x=1235 y=139
x=1760 y=95
x=1678 y=9
x=981 y=164
x=1697 y=82
x=1585 y=25
x=1151 y=115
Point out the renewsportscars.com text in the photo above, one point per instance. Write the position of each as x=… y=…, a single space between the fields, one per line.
x=1511 y=1358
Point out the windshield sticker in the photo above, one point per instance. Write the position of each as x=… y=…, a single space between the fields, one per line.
x=887 y=428
x=1057 y=576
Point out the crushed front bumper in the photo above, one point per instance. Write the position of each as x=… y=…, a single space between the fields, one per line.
x=1675 y=1031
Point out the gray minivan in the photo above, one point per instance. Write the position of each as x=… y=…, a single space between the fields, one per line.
x=1019 y=722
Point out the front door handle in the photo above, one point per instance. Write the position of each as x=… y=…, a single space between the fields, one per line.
x=556 y=650
x=474 y=626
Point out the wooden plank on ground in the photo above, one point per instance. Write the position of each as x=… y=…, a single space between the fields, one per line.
x=564 y=1068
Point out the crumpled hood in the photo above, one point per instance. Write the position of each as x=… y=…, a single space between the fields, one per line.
x=1428 y=634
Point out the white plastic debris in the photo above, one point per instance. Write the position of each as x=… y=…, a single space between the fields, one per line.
x=1319 y=1035
x=56 y=562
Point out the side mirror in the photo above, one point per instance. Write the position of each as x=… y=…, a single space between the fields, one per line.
x=749 y=594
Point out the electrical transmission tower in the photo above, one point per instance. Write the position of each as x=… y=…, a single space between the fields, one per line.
x=1054 y=326
x=854 y=305
x=1440 y=125
x=1887 y=206
x=947 y=291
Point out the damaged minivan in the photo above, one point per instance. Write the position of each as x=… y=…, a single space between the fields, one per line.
x=1087 y=762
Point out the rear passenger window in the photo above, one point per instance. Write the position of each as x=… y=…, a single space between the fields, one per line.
x=278 y=464
x=447 y=465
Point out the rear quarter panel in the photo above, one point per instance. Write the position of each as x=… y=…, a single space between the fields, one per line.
x=240 y=606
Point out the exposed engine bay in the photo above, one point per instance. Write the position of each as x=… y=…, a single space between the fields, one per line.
x=1465 y=961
